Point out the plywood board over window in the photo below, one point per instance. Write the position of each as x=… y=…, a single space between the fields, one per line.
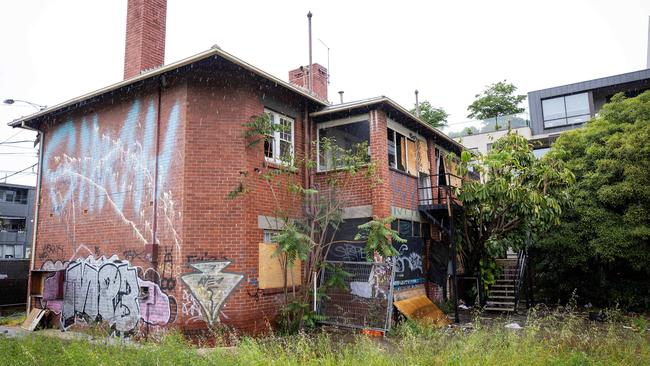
x=423 y=155
x=451 y=166
x=271 y=271
x=411 y=162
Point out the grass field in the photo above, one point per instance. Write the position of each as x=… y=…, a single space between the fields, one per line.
x=552 y=339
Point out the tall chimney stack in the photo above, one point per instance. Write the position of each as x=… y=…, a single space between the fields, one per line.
x=145 y=36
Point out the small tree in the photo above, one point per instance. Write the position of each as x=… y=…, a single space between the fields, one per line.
x=520 y=198
x=497 y=100
x=308 y=234
x=434 y=116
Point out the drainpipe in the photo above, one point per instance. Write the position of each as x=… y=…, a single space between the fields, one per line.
x=153 y=247
x=41 y=136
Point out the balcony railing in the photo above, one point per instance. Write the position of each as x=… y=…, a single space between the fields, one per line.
x=439 y=190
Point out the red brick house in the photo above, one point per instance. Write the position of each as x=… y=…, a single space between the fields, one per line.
x=133 y=180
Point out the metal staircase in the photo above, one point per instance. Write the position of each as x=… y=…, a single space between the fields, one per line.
x=504 y=294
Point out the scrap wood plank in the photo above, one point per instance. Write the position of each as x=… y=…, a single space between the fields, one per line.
x=33 y=319
x=421 y=309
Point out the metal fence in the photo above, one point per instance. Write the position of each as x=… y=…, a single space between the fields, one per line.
x=13 y=281
x=367 y=299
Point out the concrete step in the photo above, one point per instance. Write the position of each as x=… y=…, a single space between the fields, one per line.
x=504 y=303
x=501 y=297
x=504 y=285
x=490 y=308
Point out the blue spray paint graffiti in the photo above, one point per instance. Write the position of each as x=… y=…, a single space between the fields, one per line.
x=92 y=168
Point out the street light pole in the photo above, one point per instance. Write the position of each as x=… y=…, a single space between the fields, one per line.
x=40 y=107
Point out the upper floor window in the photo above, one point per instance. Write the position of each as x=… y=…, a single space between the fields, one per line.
x=566 y=110
x=401 y=151
x=343 y=136
x=16 y=196
x=278 y=148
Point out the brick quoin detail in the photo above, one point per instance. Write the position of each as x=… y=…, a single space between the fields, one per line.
x=145 y=36
x=380 y=194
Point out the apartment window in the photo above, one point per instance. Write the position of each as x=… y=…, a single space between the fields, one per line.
x=278 y=148
x=566 y=110
x=343 y=137
x=12 y=224
x=15 y=196
x=398 y=150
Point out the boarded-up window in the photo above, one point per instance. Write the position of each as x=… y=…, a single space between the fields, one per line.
x=425 y=165
x=452 y=167
x=271 y=273
x=411 y=157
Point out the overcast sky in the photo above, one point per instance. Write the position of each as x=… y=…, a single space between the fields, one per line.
x=449 y=50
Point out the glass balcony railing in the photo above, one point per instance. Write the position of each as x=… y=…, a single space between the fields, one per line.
x=475 y=127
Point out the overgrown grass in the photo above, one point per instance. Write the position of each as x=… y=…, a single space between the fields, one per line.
x=556 y=338
x=12 y=320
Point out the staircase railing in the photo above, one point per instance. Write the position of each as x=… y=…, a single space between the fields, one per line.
x=521 y=273
x=436 y=193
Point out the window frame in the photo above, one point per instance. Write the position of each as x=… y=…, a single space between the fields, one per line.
x=277 y=138
x=566 y=117
x=335 y=123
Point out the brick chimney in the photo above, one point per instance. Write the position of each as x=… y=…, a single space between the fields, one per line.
x=145 y=36
x=300 y=77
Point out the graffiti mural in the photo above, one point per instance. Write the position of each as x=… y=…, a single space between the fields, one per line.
x=108 y=290
x=210 y=286
x=408 y=264
x=88 y=169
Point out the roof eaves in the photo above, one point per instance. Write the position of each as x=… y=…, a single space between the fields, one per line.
x=20 y=122
x=383 y=99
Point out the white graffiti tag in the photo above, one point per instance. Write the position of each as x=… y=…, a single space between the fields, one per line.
x=413 y=260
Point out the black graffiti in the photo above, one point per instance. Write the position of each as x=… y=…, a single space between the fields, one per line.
x=203 y=258
x=51 y=252
x=131 y=254
x=167 y=280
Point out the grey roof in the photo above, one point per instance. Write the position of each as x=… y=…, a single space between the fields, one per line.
x=9 y=185
x=213 y=52
x=592 y=84
x=364 y=103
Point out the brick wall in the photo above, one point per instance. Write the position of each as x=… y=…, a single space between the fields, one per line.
x=404 y=190
x=380 y=195
x=101 y=165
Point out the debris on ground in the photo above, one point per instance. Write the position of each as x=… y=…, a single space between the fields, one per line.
x=514 y=326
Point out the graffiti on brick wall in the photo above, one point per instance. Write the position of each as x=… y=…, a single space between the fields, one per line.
x=109 y=290
x=51 y=252
x=85 y=168
x=210 y=286
x=190 y=308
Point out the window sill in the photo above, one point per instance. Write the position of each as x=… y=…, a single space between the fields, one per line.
x=318 y=171
x=402 y=173
x=280 y=166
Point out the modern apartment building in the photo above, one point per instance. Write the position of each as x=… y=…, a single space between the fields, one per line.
x=16 y=220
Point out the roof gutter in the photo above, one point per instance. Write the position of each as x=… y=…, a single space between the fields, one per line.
x=20 y=122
